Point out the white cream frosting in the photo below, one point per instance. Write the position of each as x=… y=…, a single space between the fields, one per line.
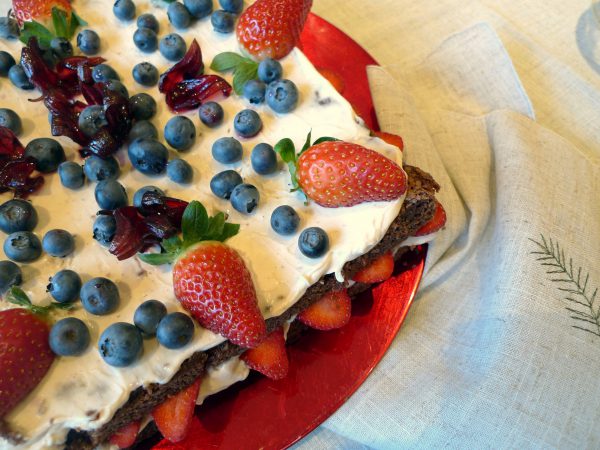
x=84 y=391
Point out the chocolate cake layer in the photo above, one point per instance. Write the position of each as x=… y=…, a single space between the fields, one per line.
x=417 y=209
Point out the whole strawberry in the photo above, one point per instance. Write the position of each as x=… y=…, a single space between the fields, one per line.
x=38 y=10
x=334 y=173
x=211 y=280
x=25 y=355
x=271 y=28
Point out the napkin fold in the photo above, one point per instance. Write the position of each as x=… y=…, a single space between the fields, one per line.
x=502 y=345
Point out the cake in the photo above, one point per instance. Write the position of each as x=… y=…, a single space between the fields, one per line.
x=82 y=401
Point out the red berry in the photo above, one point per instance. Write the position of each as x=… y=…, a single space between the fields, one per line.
x=437 y=221
x=270 y=357
x=330 y=312
x=174 y=416
x=271 y=28
x=337 y=173
x=39 y=10
x=392 y=139
x=212 y=282
x=24 y=349
x=125 y=437
x=379 y=270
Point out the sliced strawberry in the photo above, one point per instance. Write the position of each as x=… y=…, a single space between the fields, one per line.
x=334 y=78
x=270 y=357
x=330 y=312
x=173 y=417
x=271 y=28
x=379 y=270
x=24 y=349
x=437 y=221
x=125 y=437
x=392 y=139
x=39 y=10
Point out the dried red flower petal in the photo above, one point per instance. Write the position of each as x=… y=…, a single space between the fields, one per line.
x=187 y=68
x=10 y=147
x=16 y=170
x=156 y=204
x=190 y=94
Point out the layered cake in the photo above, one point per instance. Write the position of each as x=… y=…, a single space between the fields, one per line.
x=286 y=239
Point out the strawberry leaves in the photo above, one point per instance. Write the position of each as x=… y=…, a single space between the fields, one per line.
x=17 y=296
x=244 y=69
x=64 y=26
x=196 y=226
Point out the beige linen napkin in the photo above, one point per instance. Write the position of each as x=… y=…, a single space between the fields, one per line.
x=502 y=347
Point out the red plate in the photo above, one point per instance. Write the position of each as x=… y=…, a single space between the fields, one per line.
x=325 y=367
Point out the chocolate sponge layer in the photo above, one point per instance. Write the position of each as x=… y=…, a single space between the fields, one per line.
x=417 y=209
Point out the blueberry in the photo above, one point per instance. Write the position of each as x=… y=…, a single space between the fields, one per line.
x=282 y=96
x=178 y=15
x=110 y=194
x=88 y=42
x=121 y=344
x=211 y=114
x=69 y=337
x=148 y=156
x=145 y=74
x=103 y=72
x=100 y=169
x=58 y=243
x=244 y=198
x=71 y=175
x=22 y=246
x=6 y=62
x=17 y=76
x=232 y=6
x=139 y=194
x=91 y=120
x=263 y=159
x=285 y=220
x=142 y=106
x=145 y=39
x=227 y=150
x=222 y=184
x=269 y=70
x=254 y=91
x=10 y=275
x=17 y=215
x=313 y=242
x=180 y=132
x=124 y=10
x=147 y=316
x=143 y=129
x=9 y=28
x=100 y=296
x=104 y=229
x=64 y=286
x=61 y=47
x=47 y=153
x=180 y=171
x=175 y=330
x=247 y=123
x=199 y=8
x=222 y=21
x=172 y=47
x=148 y=21
x=11 y=120
x=118 y=87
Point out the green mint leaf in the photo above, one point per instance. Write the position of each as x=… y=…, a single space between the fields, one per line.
x=229 y=230
x=226 y=61
x=194 y=223
x=157 y=259
x=306 y=145
x=286 y=150
x=37 y=30
x=75 y=23
x=172 y=244
x=325 y=139
x=215 y=226
x=59 y=20
x=245 y=71
x=17 y=296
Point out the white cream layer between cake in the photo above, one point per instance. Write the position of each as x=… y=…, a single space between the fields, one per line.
x=84 y=392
